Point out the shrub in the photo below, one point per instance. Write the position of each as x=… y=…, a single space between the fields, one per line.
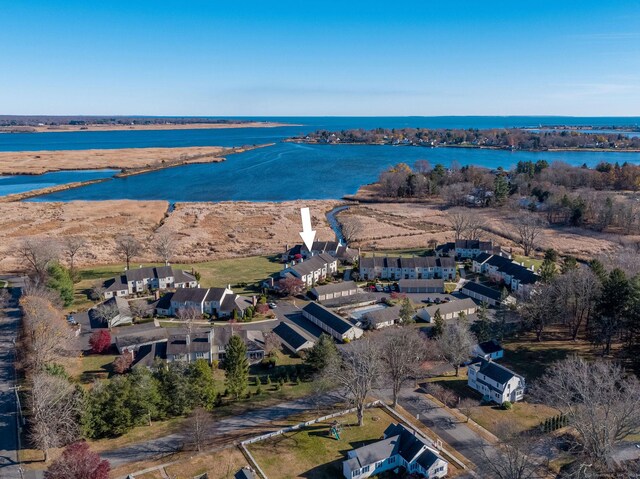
x=258 y=391
x=346 y=340
x=122 y=363
x=100 y=341
x=507 y=405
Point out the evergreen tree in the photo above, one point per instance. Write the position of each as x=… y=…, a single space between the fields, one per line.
x=322 y=353
x=438 y=324
x=236 y=366
x=406 y=311
x=548 y=270
x=500 y=189
x=551 y=255
x=598 y=269
x=201 y=384
x=618 y=294
x=60 y=280
x=482 y=327
x=568 y=263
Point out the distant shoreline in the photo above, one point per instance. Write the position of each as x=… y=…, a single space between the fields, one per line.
x=136 y=127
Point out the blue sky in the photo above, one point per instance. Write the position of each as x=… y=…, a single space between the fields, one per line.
x=370 y=58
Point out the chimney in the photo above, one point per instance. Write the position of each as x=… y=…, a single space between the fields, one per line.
x=188 y=339
x=254 y=300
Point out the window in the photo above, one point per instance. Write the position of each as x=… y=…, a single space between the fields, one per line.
x=355 y=473
x=200 y=355
x=365 y=469
x=379 y=464
x=391 y=460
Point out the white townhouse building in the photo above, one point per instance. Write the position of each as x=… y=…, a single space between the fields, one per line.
x=501 y=269
x=495 y=382
x=219 y=301
x=312 y=270
x=331 y=323
x=395 y=268
x=139 y=280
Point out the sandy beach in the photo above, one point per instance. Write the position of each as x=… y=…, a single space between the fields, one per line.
x=168 y=126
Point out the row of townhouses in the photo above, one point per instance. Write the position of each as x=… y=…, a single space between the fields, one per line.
x=465 y=248
x=221 y=302
x=502 y=269
x=312 y=270
x=139 y=280
x=396 y=268
x=333 y=248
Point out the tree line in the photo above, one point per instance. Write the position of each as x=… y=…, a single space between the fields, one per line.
x=511 y=138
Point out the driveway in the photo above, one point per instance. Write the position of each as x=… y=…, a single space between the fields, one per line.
x=457 y=434
x=9 y=321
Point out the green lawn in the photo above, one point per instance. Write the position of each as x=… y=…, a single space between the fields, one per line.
x=528 y=262
x=312 y=452
x=243 y=274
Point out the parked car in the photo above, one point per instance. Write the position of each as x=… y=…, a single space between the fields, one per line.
x=387 y=289
x=437 y=301
x=379 y=288
x=446 y=300
x=273 y=305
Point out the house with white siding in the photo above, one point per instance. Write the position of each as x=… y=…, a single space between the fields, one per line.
x=332 y=324
x=400 y=447
x=501 y=269
x=312 y=270
x=382 y=318
x=335 y=290
x=213 y=301
x=396 y=268
x=189 y=346
x=489 y=350
x=421 y=285
x=140 y=280
x=293 y=338
x=495 y=382
x=485 y=294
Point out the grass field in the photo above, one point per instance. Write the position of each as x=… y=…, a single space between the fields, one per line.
x=528 y=262
x=243 y=274
x=312 y=453
x=217 y=465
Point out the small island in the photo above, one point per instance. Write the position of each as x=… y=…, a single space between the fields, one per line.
x=506 y=139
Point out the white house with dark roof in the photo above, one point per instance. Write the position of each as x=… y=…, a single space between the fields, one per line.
x=489 y=350
x=400 y=448
x=334 y=248
x=313 y=270
x=190 y=346
x=332 y=324
x=501 y=269
x=114 y=311
x=485 y=294
x=138 y=280
x=382 y=318
x=418 y=267
x=495 y=382
x=218 y=301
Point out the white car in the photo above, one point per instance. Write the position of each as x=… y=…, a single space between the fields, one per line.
x=273 y=305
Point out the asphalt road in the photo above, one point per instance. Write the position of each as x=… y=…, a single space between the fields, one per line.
x=9 y=321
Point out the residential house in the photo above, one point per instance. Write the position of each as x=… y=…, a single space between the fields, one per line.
x=495 y=382
x=253 y=340
x=382 y=318
x=421 y=285
x=400 y=447
x=334 y=290
x=293 y=338
x=214 y=301
x=331 y=323
x=190 y=346
x=395 y=268
x=139 y=280
x=313 y=270
x=501 y=269
x=450 y=310
x=488 y=350
x=485 y=294
x=113 y=312
x=466 y=248
x=334 y=248
x=131 y=338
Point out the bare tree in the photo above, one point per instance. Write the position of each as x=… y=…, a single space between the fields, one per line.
x=466 y=407
x=403 y=353
x=601 y=401
x=72 y=245
x=106 y=311
x=459 y=219
x=540 y=310
x=475 y=227
x=351 y=229
x=577 y=292
x=55 y=406
x=37 y=254
x=455 y=344
x=356 y=373
x=528 y=227
x=97 y=290
x=442 y=394
x=45 y=331
x=139 y=308
x=165 y=246
x=128 y=247
x=272 y=342
x=516 y=455
x=199 y=424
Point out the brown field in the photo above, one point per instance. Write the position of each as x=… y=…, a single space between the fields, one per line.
x=203 y=231
x=38 y=162
x=188 y=126
x=393 y=226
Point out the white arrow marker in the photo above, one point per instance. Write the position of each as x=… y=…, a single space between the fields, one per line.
x=307 y=234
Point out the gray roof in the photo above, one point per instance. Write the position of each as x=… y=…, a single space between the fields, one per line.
x=131 y=336
x=216 y=294
x=138 y=274
x=291 y=335
x=474 y=244
x=180 y=276
x=383 y=315
x=452 y=306
x=372 y=453
x=409 y=263
x=118 y=283
x=490 y=347
x=331 y=319
x=495 y=371
x=483 y=290
x=183 y=342
x=147 y=354
x=313 y=264
x=245 y=473
x=196 y=295
x=334 y=288
x=114 y=305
